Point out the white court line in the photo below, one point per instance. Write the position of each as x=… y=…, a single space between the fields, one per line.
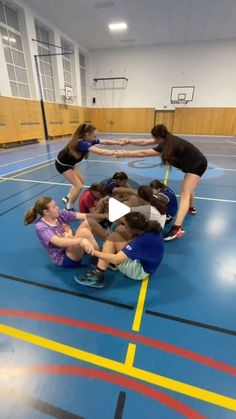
x=98 y=161
x=214 y=199
x=87 y=186
x=231 y=142
x=47 y=161
x=27 y=167
x=222 y=168
x=28 y=158
x=220 y=155
x=36 y=181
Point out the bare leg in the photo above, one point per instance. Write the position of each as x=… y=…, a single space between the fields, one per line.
x=189 y=184
x=75 y=180
x=113 y=245
x=86 y=233
x=191 y=200
x=95 y=227
x=77 y=252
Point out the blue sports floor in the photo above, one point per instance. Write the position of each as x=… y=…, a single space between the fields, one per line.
x=161 y=349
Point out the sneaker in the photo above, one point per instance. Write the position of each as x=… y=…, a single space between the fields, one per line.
x=174 y=233
x=65 y=199
x=192 y=210
x=93 y=279
x=69 y=209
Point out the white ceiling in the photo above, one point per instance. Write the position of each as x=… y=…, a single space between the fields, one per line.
x=150 y=22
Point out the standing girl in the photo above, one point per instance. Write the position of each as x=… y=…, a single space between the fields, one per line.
x=83 y=140
x=181 y=154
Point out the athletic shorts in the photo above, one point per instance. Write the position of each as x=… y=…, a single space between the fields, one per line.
x=133 y=269
x=200 y=169
x=69 y=263
x=61 y=168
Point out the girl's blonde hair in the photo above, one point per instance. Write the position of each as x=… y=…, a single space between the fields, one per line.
x=40 y=205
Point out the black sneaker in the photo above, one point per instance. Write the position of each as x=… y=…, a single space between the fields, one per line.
x=92 y=278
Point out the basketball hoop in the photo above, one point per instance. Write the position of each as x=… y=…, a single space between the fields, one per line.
x=179 y=102
x=68 y=92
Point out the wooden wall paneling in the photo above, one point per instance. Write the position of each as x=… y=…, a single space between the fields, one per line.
x=121 y=119
x=205 y=121
x=27 y=119
x=20 y=119
x=166 y=118
x=54 y=116
x=7 y=126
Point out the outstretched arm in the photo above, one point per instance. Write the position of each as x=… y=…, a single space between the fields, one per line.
x=137 y=153
x=112 y=142
x=81 y=216
x=140 y=142
x=102 y=151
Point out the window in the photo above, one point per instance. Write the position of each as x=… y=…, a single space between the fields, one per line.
x=45 y=64
x=82 y=63
x=14 y=51
x=67 y=63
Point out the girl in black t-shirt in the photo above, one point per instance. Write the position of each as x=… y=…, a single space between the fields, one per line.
x=82 y=142
x=181 y=154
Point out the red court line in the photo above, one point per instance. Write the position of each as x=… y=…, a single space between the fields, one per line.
x=113 y=378
x=154 y=343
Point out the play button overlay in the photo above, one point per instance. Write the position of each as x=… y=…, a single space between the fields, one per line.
x=116 y=209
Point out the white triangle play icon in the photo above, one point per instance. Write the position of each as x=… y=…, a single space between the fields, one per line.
x=116 y=210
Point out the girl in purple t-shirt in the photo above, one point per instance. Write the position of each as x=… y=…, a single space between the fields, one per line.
x=53 y=230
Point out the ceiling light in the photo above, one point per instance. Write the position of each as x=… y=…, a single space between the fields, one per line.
x=121 y=26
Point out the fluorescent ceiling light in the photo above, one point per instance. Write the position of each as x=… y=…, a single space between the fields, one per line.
x=117 y=26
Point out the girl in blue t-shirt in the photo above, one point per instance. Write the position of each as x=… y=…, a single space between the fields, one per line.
x=83 y=141
x=161 y=190
x=136 y=257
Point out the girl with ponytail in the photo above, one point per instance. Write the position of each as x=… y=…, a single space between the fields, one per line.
x=160 y=190
x=52 y=226
x=83 y=141
x=179 y=153
x=136 y=258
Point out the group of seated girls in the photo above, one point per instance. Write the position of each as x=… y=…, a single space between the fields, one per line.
x=134 y=245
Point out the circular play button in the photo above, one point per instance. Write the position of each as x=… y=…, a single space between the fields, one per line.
x=115 y=228
x=116 y=209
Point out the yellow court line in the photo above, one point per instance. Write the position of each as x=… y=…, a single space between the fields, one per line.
x=24 y=173
x=167 y=174
x=143 y=290
x=140 y=305
x=100 y=361
x=129 y=360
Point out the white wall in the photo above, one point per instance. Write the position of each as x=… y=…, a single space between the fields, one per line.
x=27 y=16
x=209 y=66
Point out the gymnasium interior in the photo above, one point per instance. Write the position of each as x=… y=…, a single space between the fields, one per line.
x=162 y=347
